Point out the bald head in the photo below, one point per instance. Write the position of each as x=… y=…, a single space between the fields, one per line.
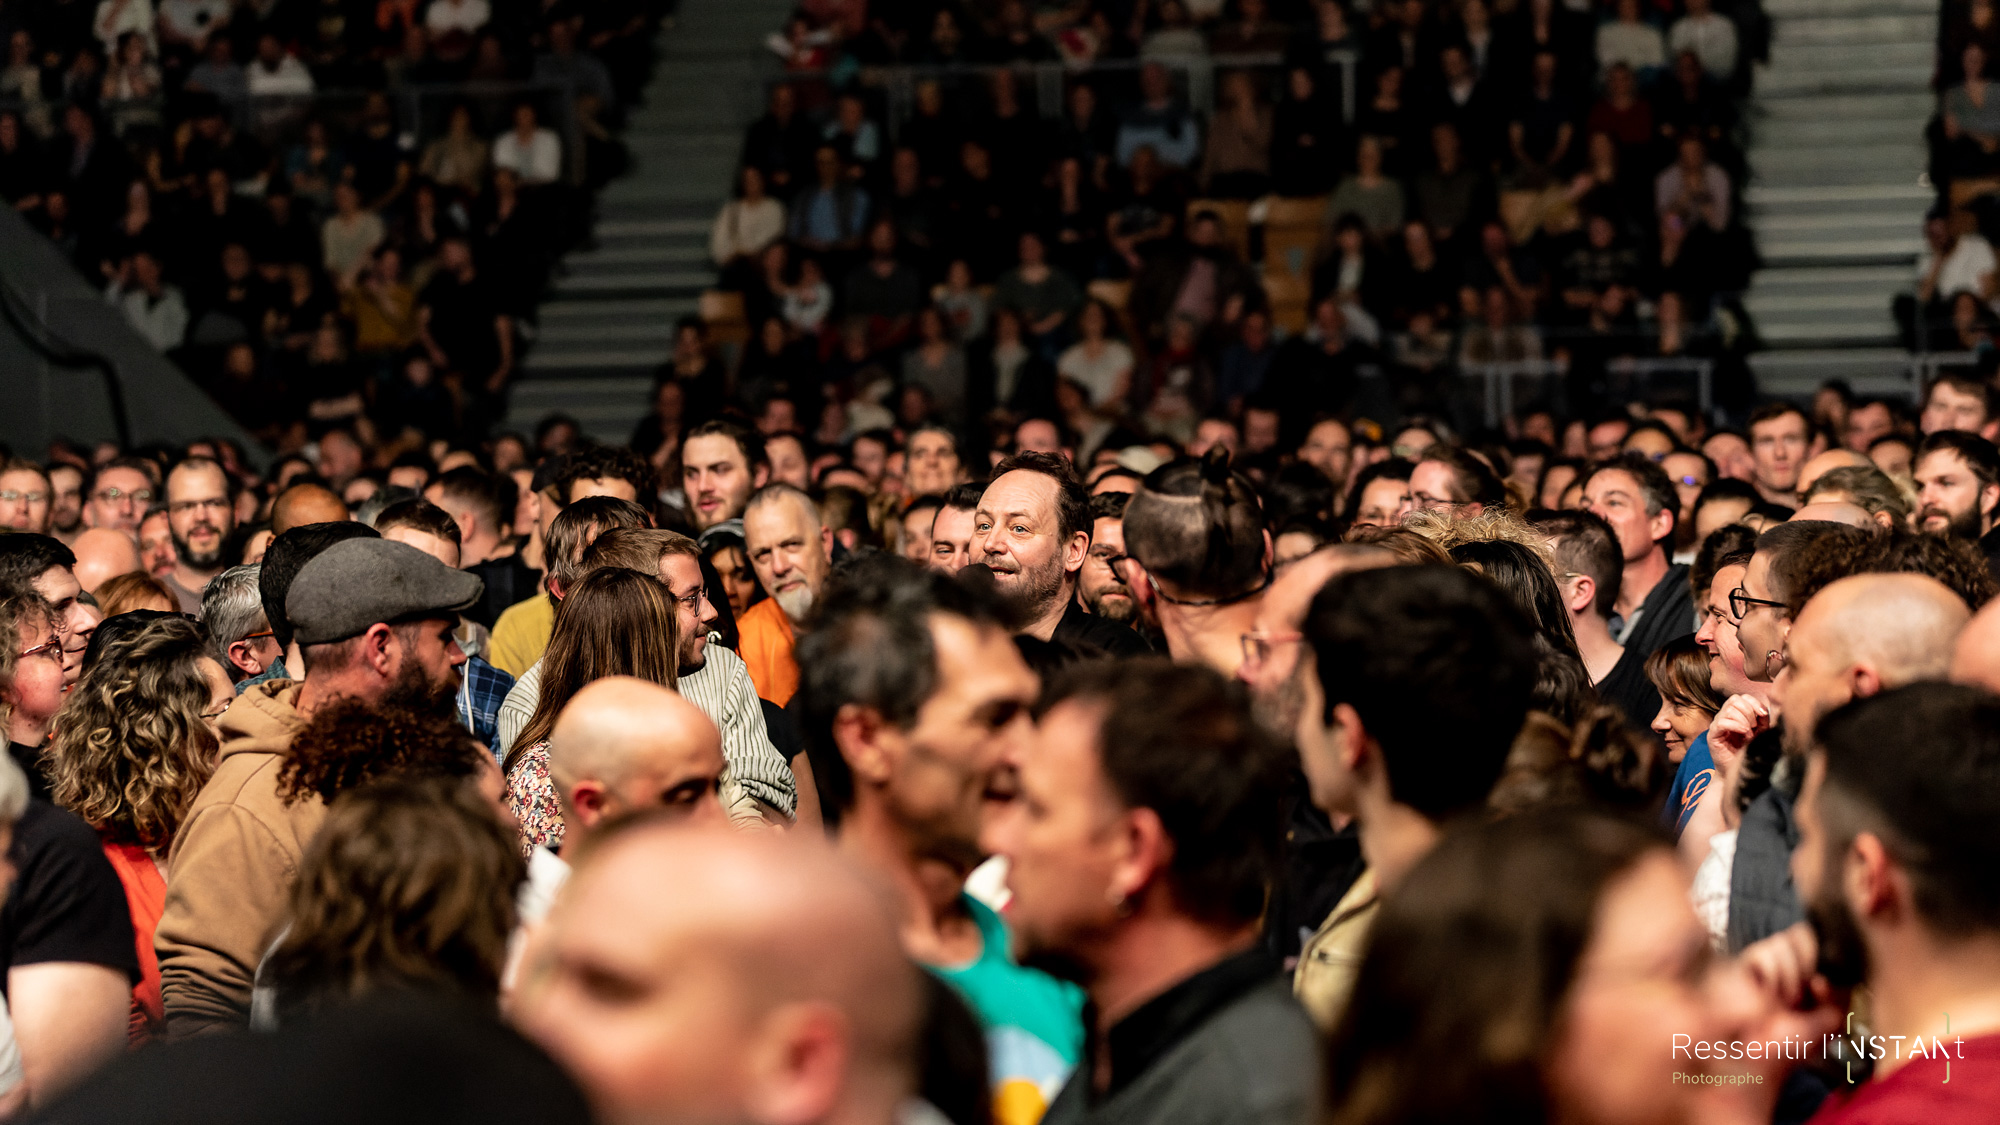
x=1902 y=625
x=624 y=745
x=104 y=553
x=1837 y=511
x=306 y=503
x=1861 y=636
x=1976 y=659
x=1839 y=458
x=705 y=975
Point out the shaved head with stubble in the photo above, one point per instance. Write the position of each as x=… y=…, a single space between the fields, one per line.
x=1861 y=636
x=624 y=745
x=701 y=975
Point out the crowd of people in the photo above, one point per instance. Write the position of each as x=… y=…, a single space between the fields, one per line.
x=1205 y=222
x=328 y=213
x=1625 y=770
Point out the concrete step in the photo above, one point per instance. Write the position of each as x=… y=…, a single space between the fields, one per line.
x=1918 y=104
x=602 y=311
x=634 y=282
x=564 y=336
x=1836 y=222
x=1771 y=135
x=1799 y=372
x=1758 y=195
x=597 y=358
x=651 y=228
x=1805 y=30
x=1883 y=250
x=1762 y=304
x=1779 y=81
x=1780 y=10
x=1851 y=54
x=640 y=252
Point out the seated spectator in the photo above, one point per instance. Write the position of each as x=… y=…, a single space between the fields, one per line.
x=1544 y=125
x=1971 y=117
x=118 y=18
x=1358 y=274
x=529 y=150
x=349 y=236
x=458 y=159
x=830 y=214
x=1496 y=337
x=1158 y=120
x=1692 y=103
x=1236 y=164
x=1694 y=187
x=1369 y=194
x=1176 y=37
x=453 y=24
x=854 y=136
x=884 y=290
x=1044 y=296
x=564 y=65
x=1621 y=113
x=1709 y=35
x=1253 y=31
x=1306 y=137
x=1099 y=362
x=937 y=365
x=276 y=72
x=745 y=225
x=155 y=309
x=1630 y=42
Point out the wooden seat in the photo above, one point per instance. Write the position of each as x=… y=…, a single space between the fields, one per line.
x=723 y=312
x=1295 y=211
x=1965 y=189
x=1289 y=295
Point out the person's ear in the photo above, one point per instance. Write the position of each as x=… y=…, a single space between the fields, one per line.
x=1358 y=752
x=1582 y=593
x=1660 y=524
x=1864 y=680
x=826 y=541
x=1134 y=573
x=1076 y=551
x=243 y=654
x=590 y=802
x=866 y=743
x=382 y=649
x=760 y=476
x=1145 y=850
x=796 y=1063
x=1875 y=889
x=1270 y=551
x=1989 y=499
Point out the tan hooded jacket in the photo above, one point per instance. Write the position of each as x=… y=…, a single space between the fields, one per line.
x=232 y=866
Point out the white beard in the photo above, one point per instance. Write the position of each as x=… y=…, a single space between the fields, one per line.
x=796 y=602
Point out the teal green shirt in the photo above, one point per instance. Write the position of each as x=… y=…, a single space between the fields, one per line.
x=1033 y=1022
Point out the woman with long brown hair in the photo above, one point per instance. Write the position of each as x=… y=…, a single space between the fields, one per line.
x=615 y=622
x=135 y=741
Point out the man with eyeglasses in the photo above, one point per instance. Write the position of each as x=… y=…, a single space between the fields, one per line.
x=201 y=515
x=119 y=494
x=760 y=782
x=24 y=496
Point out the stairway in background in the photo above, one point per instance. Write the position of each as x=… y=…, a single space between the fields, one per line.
x=1835 y=194
x=608 y=320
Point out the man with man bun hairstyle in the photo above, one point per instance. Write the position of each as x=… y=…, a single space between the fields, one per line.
x=1198 y=558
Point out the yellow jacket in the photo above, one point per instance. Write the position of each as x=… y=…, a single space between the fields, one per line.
x=1332 y=956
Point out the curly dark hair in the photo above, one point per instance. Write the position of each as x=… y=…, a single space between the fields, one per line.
x=349 y=743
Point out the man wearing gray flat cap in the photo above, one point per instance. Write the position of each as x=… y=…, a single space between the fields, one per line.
x=374 y=620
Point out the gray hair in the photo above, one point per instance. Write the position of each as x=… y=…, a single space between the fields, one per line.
x=232 y=609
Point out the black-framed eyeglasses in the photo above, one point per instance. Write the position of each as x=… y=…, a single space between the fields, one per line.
x=692 y=601
x=1740 y=603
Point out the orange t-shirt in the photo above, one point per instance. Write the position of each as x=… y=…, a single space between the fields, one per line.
x=764 y=641
x=146 y=895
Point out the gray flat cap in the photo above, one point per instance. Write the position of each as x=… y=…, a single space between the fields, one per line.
x=354 y=584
